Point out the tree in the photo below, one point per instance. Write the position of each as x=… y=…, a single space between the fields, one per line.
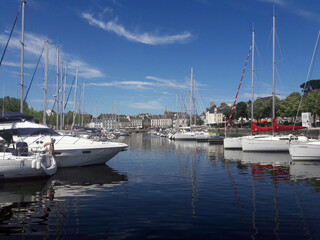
x=310 y=86
x=311 y=104
x=241 y=110
x=290 y=105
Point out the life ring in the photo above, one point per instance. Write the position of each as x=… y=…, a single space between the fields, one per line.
x=48 y=147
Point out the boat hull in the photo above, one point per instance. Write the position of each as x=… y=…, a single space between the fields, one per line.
x=24 y=166
x=232 y=143
x=305 y=151
x=75 y=152
x=77 y=158
x=269 y=144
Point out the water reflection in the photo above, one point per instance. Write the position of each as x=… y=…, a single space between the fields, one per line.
x=301 y=170
x=27 y=206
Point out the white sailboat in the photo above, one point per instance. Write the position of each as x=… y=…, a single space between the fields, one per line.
x=271 y=143
x=236 y=142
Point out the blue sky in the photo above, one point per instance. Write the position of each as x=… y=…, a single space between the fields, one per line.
x=138 y=54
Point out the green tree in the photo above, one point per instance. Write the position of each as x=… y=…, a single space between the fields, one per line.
x=310 y=86
x=311 y=104
x=290 y=105
x=241 y=110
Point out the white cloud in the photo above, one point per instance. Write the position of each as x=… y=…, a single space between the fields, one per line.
x=167 y=83
x=150 y=105
x=125 y=84
x=33 y=46
x=146 y=38
x=288 y=5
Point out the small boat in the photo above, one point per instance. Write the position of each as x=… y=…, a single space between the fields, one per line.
x=21 y=162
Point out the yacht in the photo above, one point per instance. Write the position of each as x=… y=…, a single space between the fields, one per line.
x=69 y=151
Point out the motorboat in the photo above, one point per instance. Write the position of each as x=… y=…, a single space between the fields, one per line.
x=19 y=161
x=69 y=151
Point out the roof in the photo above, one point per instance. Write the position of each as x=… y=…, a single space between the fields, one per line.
x=7 y=116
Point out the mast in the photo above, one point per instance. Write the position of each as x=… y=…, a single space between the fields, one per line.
x=22 y=57
x=57 y=96
x=273 y=67
x=252 y=76
x=45 y=85
x=75 y=99
x=60 y=92
x=83 y=86
x=64 y=95
x=194 y=102
x=191 y=87
x=177 y=120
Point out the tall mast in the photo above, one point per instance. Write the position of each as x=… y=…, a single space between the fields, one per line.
x=45 y=85
x=57 y=95
x=64 y=95
x=191 y=87
x=252 y=76
x=75 y=98
x=22 y=57
x=83 y=86
x=60 y=92
x=194 y=102
x=177 y=119
x=79 y=106
x=273 y=67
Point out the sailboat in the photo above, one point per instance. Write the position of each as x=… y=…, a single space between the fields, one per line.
x=272 y=143
x=236 y=142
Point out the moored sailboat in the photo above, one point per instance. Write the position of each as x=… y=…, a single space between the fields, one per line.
x=272 y=143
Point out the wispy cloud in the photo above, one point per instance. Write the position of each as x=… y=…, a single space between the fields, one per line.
x=165 y=82
x=33 y=46
x=150 y=105
x=288 y=5
x=146 y=38
x=125 y=84
x=143 y=85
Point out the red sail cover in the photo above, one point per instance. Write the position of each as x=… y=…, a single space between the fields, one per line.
x=282 y=128
x=255 y=128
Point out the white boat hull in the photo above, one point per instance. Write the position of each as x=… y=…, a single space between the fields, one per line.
x=75 y=152
x=77 y=158
x=24 y=166
x=305 y=151
x=232 y=143
x=269 y=144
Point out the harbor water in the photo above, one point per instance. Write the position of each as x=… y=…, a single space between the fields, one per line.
x=163 y=189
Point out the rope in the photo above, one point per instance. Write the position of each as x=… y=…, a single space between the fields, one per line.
x=308 y=76
x=14 y=24
x=69 y=93
x=235 y=100
x=34 y=73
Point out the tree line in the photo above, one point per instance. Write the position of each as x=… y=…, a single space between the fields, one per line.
x=288 y=107
x=13 y=105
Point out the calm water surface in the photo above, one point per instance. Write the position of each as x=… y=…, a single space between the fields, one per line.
x=168 y=190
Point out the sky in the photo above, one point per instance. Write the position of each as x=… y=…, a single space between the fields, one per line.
x=136 y=56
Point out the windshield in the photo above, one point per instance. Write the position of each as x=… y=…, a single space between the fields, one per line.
x=36 y=131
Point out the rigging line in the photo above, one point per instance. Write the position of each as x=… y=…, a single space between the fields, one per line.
x=14 y=24
x=308 y=76
x=279 y=48
x=235 y=100
x=74 y=78
x=34 y=73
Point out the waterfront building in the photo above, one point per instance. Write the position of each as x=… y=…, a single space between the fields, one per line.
x=161 y=121
x=214 y=115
